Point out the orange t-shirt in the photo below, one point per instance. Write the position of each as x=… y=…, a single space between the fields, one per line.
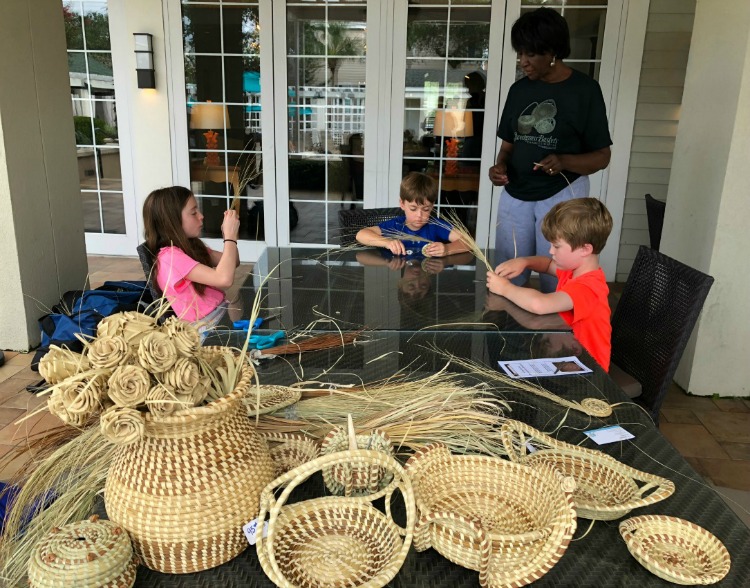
x=590 y=317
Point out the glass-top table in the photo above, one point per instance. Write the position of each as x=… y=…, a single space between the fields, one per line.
x=597 y=557
x=373 y=289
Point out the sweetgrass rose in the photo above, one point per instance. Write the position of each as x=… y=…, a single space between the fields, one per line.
x=160 y=401
x=122 y=426
x=56 y=406
x=83 y=397
x=108 y=352
x=157 y=353
x=128 y=385
x=131 y=326
x=184 y=335
x=182 y=377
x=60 y=363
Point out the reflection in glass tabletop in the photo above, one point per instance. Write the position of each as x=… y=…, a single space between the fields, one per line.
x=373 y=289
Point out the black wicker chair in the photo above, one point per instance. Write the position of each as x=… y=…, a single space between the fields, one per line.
x=653 y=321
x=655 y=215
x=147 y=263
x=351 y=221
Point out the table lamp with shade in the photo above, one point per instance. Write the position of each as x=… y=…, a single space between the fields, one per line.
x=210 y=116
x=453 y=124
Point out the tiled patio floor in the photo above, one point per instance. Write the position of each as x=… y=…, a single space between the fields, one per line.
x=713 y=434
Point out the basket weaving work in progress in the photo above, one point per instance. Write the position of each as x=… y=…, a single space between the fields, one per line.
x=510 y=522
x=363 y=480
x=606 y=489
x=676 y=550
x=216 y=465
x=335 y=541
x=289 y=450
x=86 y=554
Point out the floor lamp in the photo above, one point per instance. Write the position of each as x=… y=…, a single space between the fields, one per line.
x=210 y=116
x=453 y=124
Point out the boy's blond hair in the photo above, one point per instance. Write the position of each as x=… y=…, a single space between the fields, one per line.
x=578 y=222
x=418 y=187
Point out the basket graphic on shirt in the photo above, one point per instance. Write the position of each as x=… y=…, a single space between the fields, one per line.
x=541 y=119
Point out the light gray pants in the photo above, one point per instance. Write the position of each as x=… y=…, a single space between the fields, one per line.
x=519 y=233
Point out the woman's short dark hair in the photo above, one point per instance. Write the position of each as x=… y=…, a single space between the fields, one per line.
x=541 y=31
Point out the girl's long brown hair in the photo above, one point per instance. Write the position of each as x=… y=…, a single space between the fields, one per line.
x=162 y=217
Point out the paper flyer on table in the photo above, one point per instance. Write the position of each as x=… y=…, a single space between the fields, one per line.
x=535 y=368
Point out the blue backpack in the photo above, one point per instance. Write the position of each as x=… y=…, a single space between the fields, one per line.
x=80 y=311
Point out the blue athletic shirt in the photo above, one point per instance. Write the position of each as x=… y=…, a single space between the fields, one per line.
x=435 y=230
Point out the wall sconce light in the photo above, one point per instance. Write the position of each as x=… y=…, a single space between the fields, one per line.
x=144 y=60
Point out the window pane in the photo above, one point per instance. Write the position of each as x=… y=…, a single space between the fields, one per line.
x=109 y=169
x=113 y=211
x=469 y=33
x=426 y=32
x=96 y=25
x=91 y=220
x=72 y=15
x=201 y=28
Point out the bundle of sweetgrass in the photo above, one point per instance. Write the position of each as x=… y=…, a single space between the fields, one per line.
x=413 y=413
x=134 y=366
x=465 y=236
x=69 y=467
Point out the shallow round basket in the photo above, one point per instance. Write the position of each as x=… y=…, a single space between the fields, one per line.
x=335 y=541
x=676 y=550
x=85 y=554
x=363 y=480
x=289 y=451
x=510 y=522
x=265 y=399
x=606 y=489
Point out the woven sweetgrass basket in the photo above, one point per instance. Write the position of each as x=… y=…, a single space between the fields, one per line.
x=606 y=489
x=86 y=554
x=335 y=541
x=676 y=550
x=508 y=521
x=289 y=450
x=186 y=489
x=363 y=480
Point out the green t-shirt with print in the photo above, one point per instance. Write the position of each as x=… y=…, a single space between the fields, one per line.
x=539 y=118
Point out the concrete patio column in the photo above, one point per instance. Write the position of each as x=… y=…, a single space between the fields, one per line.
x=708 y=203
x=43 y=252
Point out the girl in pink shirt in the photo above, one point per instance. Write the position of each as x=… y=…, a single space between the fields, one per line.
x=191 y=276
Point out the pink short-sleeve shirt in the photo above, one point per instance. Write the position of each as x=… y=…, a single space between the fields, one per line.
x=173 y=267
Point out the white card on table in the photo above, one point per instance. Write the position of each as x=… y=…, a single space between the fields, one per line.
x=609 y=435
x=535 y=368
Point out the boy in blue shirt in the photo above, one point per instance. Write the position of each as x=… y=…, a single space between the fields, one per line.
x=417 y=197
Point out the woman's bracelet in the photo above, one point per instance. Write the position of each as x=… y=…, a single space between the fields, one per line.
x=231 y=241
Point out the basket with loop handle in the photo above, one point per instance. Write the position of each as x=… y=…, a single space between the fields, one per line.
x=185 y=490
x=363 y=480
x=335 y=541
x=606 y=489
x=510 y=522
x=87 y=554
x=676 y=550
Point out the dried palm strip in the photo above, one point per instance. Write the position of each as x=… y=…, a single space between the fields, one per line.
x=591 y=406
x=73 y=474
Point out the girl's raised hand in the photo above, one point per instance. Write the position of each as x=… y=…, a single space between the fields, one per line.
x=230 y=227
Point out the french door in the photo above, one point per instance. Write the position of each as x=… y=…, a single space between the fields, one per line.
x=304 y=108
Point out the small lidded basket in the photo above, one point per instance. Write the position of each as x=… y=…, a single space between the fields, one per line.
x=85 y=554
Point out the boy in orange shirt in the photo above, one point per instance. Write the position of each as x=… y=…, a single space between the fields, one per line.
x=577 y=230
